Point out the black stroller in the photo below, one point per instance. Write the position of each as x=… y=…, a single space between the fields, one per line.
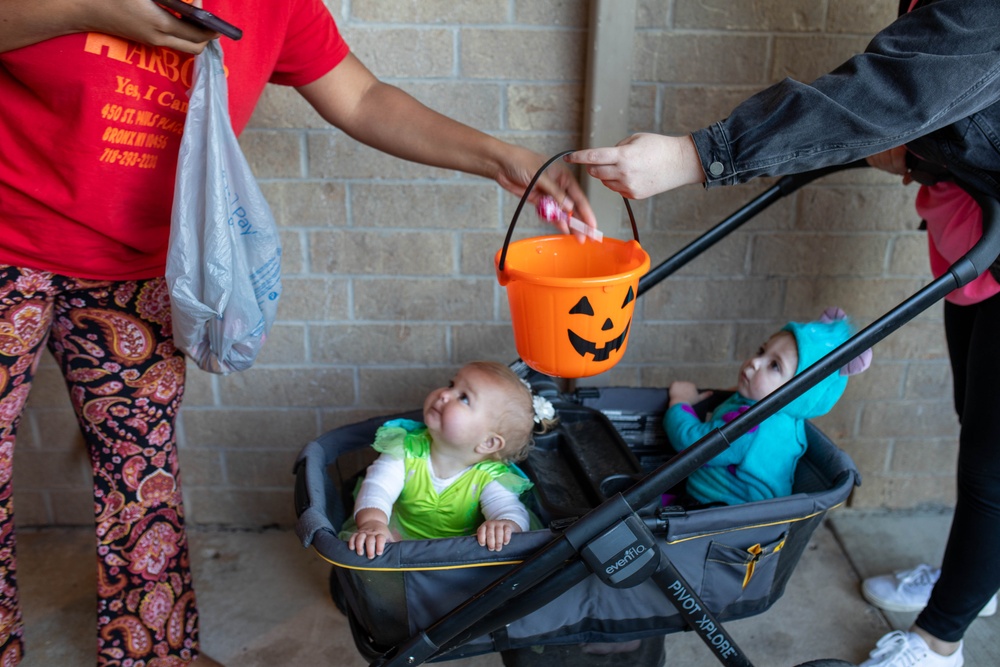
x=613 y=565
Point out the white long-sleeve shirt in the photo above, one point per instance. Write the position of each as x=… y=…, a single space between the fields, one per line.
x=385 y=478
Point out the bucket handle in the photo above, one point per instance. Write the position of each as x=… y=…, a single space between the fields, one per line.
x=524 y=198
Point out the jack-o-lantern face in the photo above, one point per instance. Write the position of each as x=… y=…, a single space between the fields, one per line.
x=603 y=350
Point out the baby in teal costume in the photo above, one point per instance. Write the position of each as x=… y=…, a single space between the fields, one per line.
x=761 y=464
x=453 y=473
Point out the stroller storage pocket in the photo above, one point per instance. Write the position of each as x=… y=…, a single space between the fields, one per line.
x=734 y=574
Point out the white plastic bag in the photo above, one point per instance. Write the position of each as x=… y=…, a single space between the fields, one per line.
x=224 y=258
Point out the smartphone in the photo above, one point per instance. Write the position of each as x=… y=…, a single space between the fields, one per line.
x=200 y=17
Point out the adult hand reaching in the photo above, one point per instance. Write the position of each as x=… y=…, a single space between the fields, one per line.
x=519 y=165
x=643 y=164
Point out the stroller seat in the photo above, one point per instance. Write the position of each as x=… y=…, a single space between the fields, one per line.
x=738 y=558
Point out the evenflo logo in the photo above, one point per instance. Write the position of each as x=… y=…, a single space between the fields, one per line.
x=625 y=558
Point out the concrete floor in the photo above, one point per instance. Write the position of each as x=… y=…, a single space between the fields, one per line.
x=264 y=599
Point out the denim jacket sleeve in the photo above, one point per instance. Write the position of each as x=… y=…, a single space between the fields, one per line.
x=930 y=80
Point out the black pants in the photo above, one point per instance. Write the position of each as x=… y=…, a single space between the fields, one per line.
x=970 y=571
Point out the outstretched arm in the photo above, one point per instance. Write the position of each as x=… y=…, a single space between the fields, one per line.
x=24 y=23
x=643 y=165
x=942 y=56
x=390 y=120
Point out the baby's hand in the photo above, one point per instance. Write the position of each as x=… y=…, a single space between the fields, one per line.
x=370 y=539
x=495 y=533
x=682 y=391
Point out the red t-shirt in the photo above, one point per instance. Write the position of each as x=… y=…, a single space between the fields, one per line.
x=90 y=128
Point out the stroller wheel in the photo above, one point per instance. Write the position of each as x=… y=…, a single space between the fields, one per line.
x=336 y=592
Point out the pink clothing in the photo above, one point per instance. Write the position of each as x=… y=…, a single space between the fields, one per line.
x=954 y=225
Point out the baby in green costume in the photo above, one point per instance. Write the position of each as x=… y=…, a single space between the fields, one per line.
x=450 y=475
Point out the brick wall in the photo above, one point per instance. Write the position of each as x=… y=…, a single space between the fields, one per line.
x=388 y=271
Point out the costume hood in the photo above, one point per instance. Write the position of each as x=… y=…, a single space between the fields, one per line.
x=815 y=340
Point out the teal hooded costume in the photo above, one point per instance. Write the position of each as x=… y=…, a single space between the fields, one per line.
x=761 y=464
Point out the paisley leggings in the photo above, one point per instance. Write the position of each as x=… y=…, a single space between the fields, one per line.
x=113 y=343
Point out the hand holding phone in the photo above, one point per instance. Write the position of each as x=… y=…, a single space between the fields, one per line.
x=200 y=17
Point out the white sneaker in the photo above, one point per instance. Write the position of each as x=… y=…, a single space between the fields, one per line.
x=908 y=590
x=908 y=649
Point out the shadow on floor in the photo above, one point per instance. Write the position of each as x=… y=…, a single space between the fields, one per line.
x=264 y=600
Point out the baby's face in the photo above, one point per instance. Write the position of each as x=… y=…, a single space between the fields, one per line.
x=772 y=366
x=464 y=413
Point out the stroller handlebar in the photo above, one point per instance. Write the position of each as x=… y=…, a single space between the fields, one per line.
x=986 y=251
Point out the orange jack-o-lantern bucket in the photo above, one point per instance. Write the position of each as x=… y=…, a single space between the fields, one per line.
x=571 y=303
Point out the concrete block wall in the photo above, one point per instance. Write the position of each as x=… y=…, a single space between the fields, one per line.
x=388 y=271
